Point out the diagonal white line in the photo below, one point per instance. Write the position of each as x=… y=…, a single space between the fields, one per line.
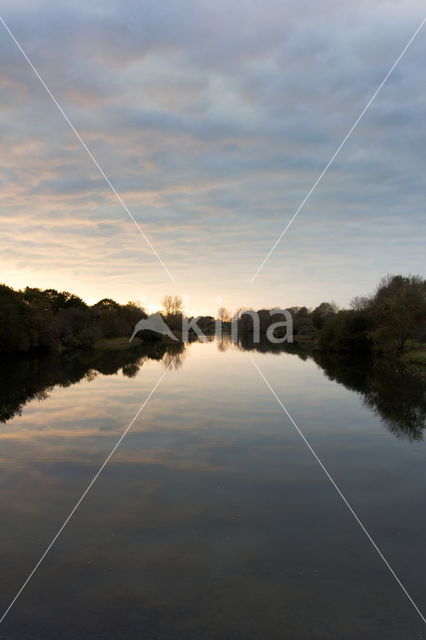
x=92 y=157
x=86 y=491
x=333 y=157
x=339 y=492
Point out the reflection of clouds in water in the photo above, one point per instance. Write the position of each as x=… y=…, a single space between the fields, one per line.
x=27 y=379
x=84 y=418
x=156 y=541
x=88 y=405
x=204 y=512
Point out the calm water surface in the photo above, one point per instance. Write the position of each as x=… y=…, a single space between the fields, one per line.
x=212 y=520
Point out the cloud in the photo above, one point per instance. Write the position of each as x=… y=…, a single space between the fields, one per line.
x=212 y=121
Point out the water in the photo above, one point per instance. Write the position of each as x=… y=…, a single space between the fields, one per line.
x=212 y=520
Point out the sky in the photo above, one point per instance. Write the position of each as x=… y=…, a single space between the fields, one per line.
x=212 y=120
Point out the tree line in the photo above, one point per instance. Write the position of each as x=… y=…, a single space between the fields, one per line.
x=46 y=319
x=382 y=322
x=36 y=319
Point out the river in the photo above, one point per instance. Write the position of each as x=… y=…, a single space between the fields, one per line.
x=213 y=519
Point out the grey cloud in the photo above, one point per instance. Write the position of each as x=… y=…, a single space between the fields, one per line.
x=213 y=120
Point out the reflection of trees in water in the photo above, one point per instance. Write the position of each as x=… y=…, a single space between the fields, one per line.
x=174 y=356
x=92 y=374
x=246 y=343
x=25 y=379
x=131 y=369
x=225 y=342
x=396 y=393
x=398 y=397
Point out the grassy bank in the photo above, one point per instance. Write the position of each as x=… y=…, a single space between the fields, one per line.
x=123 y=344
x=117 y=344
x=415 y=353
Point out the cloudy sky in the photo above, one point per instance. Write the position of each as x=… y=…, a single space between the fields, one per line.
x=212 y=120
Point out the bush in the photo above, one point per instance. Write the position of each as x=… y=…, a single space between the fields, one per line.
x=346 y=331
x=303 y=326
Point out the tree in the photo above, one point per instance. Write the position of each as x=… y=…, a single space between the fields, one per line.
x=172 y=305
x=17 y=330
x=51 y=299
x=177 y=306
x=322 y=312
x=360 y=303
x=223 y=314
x=106 y=304
x=302 y=312
x=398 y=311
x=167 y=303
x=303 y=326
x=346 y=330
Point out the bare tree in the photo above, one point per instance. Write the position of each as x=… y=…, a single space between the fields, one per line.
x=167 y=303
x=172 y=305
x=177 y=305
x=223 y=314
x=359 y=303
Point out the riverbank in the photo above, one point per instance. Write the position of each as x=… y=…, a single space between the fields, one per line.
x=117 y=344
x=122 y=343
x=415 y=355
